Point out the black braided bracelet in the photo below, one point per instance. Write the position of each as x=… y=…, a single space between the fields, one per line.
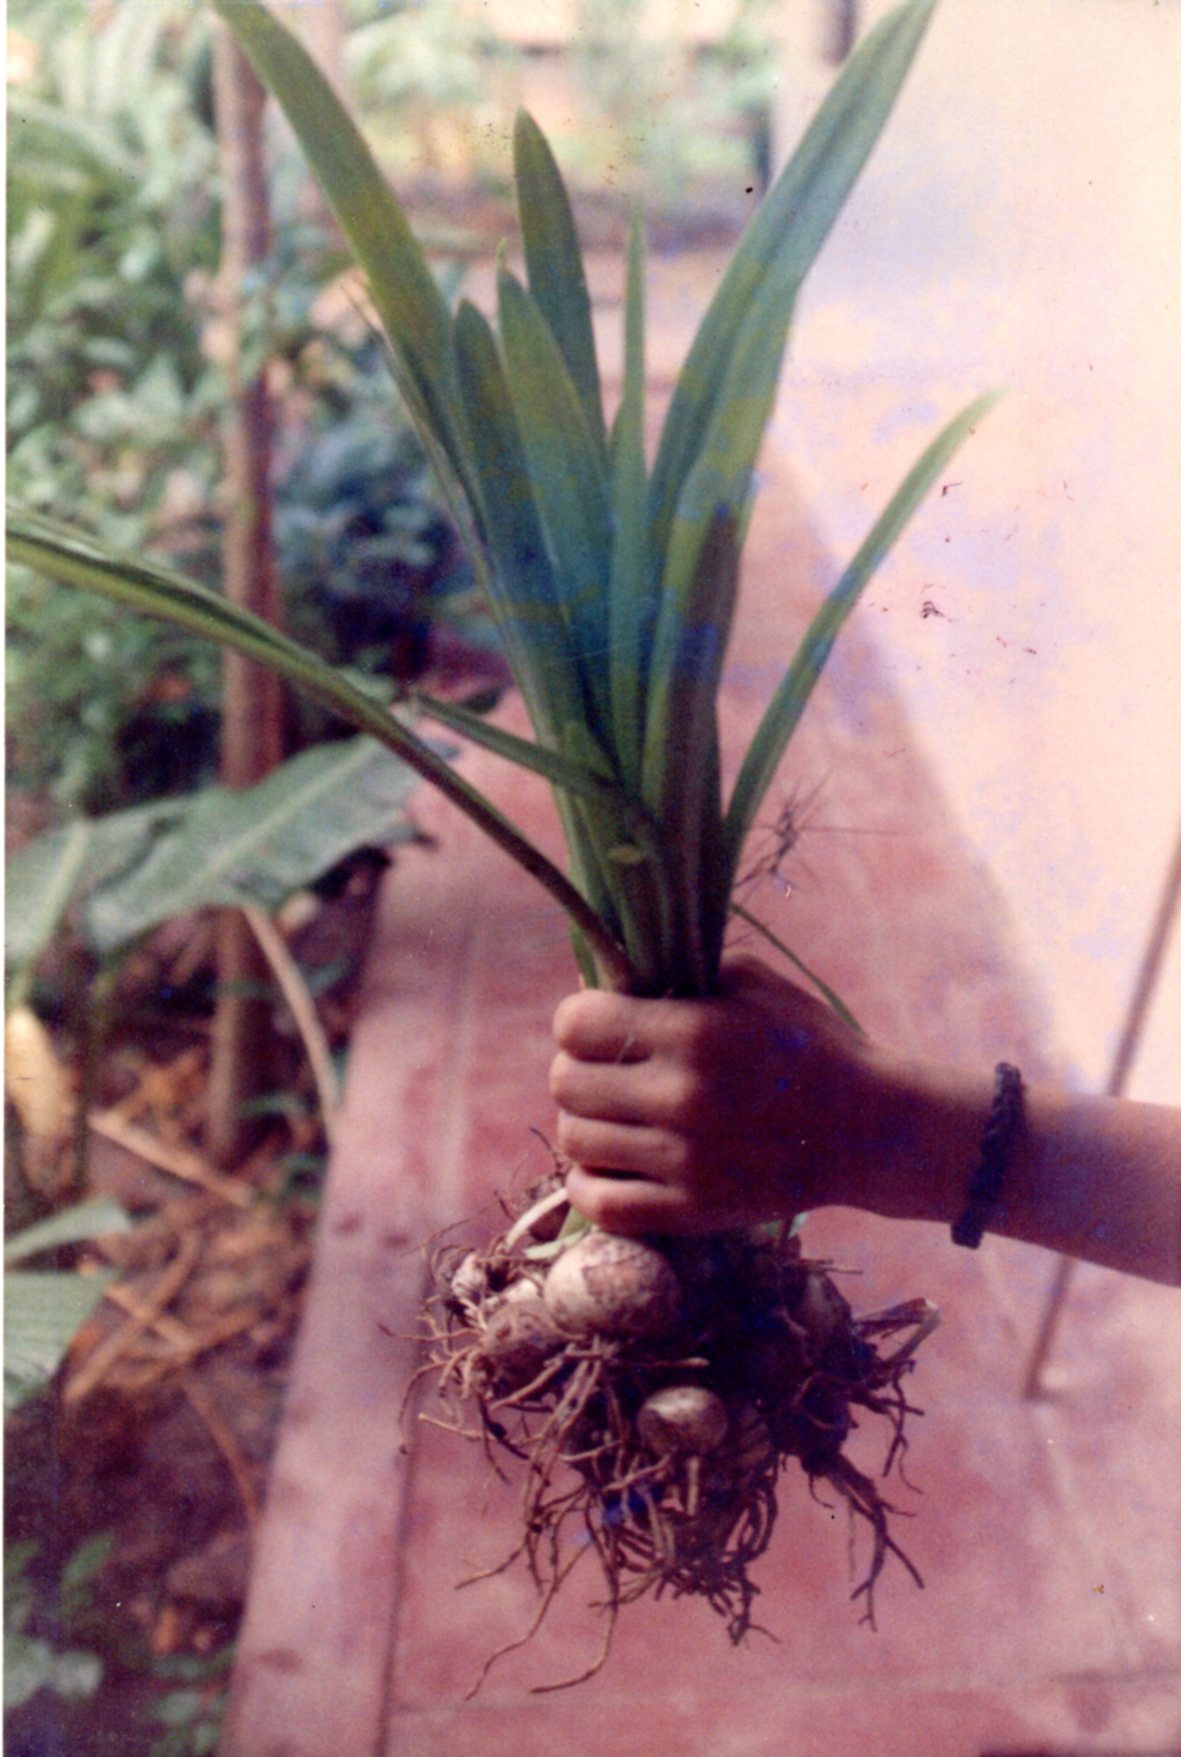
x=996 y=1150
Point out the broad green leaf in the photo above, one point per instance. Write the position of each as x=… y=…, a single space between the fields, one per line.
x=93 y=1219
x=553 y=259
x=260 y=844
x=73 y=559
x=790 y=699
x=412 y=309
x=784 y=238
x=43 y=1311
x=632 y=612
x=61 y=867
x=569 y=484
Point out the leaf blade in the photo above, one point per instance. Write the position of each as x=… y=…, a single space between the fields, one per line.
x=569 y=482
x=631 y=599
x=523 y=591
x=259 y=845
x=412 y=309
x=554 y=262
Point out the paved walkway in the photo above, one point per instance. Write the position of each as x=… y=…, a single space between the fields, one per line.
x=1047 y=1533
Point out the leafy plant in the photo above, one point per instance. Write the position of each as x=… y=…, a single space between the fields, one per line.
x=613 y=591
x=613 y=588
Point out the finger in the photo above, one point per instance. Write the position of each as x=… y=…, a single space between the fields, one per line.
x=605 y=1146
x=595 y=1026
x=647 y=1093
x=627 y=1204
x=600 y=1090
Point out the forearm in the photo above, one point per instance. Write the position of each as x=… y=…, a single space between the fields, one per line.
x=1095 y=1178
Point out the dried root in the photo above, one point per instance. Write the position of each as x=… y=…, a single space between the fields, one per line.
x=657 y=1443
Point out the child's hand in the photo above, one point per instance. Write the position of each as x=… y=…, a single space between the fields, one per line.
x=723 y=1111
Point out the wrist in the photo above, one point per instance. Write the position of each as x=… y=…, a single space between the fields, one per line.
x=915 y=1137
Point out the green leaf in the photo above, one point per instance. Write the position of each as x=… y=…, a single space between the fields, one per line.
x=60 y=868
x=557 y=768
x=791 y=698
x=412 y=309
x=570 y=488
x=259 y=845
x=77 y=1576
x=681 y=765
x=70 y=136
x=784 y=238
x=42 y=1313
x=93 y=1219
x=523 y=588
x=553 y=259
x=632 y=612
x=698 y=590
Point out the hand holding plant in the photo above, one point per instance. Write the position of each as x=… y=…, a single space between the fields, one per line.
x=614 y=586
x=742 y=1107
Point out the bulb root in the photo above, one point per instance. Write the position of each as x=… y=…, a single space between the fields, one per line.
x=759 y=1327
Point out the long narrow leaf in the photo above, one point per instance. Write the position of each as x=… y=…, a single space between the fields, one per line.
x=523 y=590
x=791 y=698
x=785 y=236
x=96 y=1218
x=568 y=475
x=681 y=770
x=412 y=309
x=553 y=259
x=557 y=768
x=75 y=560
x=618 y=854
x=632 y=605
x=718 y=488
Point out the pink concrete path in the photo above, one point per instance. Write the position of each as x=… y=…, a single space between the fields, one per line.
x=1047 y=1532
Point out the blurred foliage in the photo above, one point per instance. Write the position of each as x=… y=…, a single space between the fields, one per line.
x=114 y=400
x=112 y=405
x=42 y=1648
x=433 y=84
x=682 y=122
x=192 y=1710
x=437 y=89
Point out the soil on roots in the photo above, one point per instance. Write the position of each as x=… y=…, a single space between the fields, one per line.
x=754 y=1333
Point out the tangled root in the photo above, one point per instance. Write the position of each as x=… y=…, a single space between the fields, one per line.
x=756 y=1325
